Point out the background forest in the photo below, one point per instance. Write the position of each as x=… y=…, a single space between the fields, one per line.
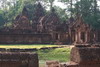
x=88 y=9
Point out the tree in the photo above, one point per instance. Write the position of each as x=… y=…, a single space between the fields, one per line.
x=51 y=4
x=89 y=11
x=10 y=8
x=1 y=19
x=61 y=13
x=70 y=6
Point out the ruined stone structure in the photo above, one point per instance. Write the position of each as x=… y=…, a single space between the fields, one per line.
x=82 y=33
x=80 y=56
x=42 y=30
x=52 y=64
x=18 y=59
x=48 y=29
x=51 y=25
x=38 y=14
x=79 y=31
x=84 y=56
x=22 y=22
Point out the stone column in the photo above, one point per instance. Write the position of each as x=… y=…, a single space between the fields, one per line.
x=79 y=37
x=95 y=37
x=76 y=37
x=86 y=37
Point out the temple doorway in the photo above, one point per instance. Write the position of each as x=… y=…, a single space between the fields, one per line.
x=57 y=38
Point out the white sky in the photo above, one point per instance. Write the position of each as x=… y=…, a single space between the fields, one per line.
x=62 y=4
x=59 y=4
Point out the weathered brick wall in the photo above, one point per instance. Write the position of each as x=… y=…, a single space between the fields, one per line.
x=18 y=59
x=25 y=38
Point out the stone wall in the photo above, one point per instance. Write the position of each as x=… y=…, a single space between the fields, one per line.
x=18 y=59
x=25 y=38
x=84 y=56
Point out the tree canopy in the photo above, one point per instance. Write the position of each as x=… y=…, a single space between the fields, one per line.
x=88 y=9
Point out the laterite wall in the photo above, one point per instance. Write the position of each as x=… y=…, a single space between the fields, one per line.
x=25 y=38
x=18 y=59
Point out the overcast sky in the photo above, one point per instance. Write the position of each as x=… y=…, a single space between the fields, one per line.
x=59 y=4
x=64 y=6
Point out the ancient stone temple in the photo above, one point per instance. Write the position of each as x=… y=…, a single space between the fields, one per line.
x=82 y=33
x=50 y=21
x=43 y=28
x=22 y=22
x=39 y=12
x=48 y=29
x=52 y=25
x=79 y=31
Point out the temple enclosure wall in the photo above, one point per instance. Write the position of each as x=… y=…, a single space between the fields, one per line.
x=25 y=39
x=18 y=59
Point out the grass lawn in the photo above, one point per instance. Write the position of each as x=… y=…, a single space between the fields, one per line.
x=60 y=54
x=26 y=46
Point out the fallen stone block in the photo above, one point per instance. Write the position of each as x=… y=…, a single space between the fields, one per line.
x=69 y=64
x=52 y=64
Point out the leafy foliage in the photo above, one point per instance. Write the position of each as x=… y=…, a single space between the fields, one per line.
x=1 y=18
x=61 y=13
x=88 y=9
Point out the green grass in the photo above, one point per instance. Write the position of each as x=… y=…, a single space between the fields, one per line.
x=25 y=46
x=60 y=54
